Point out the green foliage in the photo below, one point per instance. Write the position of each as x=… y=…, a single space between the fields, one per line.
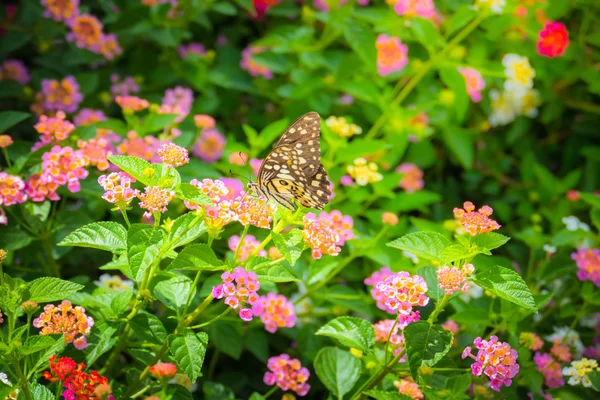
x=337 y=369
x=349 y=331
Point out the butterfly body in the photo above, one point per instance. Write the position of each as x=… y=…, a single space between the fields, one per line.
x=293 y=169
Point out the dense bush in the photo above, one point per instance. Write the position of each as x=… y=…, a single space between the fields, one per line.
x=137 y=262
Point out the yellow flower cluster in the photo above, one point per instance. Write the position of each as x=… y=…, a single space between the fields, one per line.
x=363 y=172
x=342 y=127
x=579 y=370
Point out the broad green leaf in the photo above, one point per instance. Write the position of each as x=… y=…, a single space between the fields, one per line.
x=381 y=395
x=157 y=122
x=350 y=331
x=591 y=198
x=290 y=245
x=456 y=138
x=8 y=119
x=595 y=379
x=227 y=336
x=56 y=348
x=185 y=229
x=426 y=33
x=138 y=168
x=269 y=134
x=196 y=257
x=425 y=344
x=361 y=39
x=337 y=369
x=188 y=351
x=119 y=303
x=457 y=252
x=595 y=217
x=360 y=147
x=428 y=245
x=37 y=343
x=460 y=142
x=175 y=292
x=458 y=384
x=148 y=328
x=40 y=392
x=506 y=284
x=109 y=236
x=489 y=241
x=191 y=193
x=462 y=16
x=45 y=290
x=274 y=273
x=472 y=316
x=429 y=273
x=216 y=391
x=102 y=339
x=143 y=247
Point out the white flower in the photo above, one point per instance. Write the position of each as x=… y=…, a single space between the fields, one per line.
x=113 y=282
x=497 y=6
x=569 y=337
x=519 y=73
x=503 y=111
x=411 y=256
x=473 y=292
x=549 y=249
x=573 y=224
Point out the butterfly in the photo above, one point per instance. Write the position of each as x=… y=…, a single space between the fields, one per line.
x=293 y=169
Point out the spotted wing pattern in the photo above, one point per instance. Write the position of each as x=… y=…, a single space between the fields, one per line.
x=293 y=169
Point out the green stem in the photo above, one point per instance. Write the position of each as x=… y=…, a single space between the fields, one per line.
x=22 y=378
x=240 y=243
x=124 y=214
x=218 y=317
x=438 y=309
x=141 y=392
x=270 y=392
x=5 y=152
x=145 y=373
x=387 y=343
x=583 y=106
x=424 y=70
x=376 y=378
x=270 y=264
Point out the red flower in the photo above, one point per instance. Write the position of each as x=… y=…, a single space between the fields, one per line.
x=62 y=369
x=261 y=6
x=163 y=370
x=553 y=40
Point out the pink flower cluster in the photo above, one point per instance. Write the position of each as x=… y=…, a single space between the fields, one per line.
x=474 y=81
x=204 y=121
x=275 y=311
x=132 y=103
x=553 y=40
x=342 y=225
x=124 y=87
x=399 y=293
x=256 y=211
x=191 y=48
x=320 y=236
x=143 y=147
x=550 y=369
x=412 y=177
x=173 y=155
x=383 y=333
x=409 y=388
x=476 y=222
x=245 y=247
x=531 y=341
x=96 y=152
x=86 y=31
x=60 y=10
x=588 y=262
x=373 y=280
x=210 y=144
x=454 y=279
x=416 y=8
x=288 y=374
x=180 y=97
x=11 y=192
x=52 y=130
x=14 y=70
x=495 y=359
x=238 y=288
x=155 y=200
x=64 y=318
x=63 y=95
x=117 y=188
x=254 y=68
x=392 y=54
x=88 y=116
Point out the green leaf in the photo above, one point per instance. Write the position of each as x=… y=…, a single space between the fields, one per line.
x=506 y=284
x=227 y=336
x=191 y=193
x=157 y=122
x=289 y=245
x=591 y=198
x=461 y=17
x=45 y=290
x=457 y=252
x=269 y=134
x=429 y=273
x=56 y=348
x=381 y=395
x=350 y=331
x=109 y=236
x=595 y=217
x=428 y=245
x=472 y=316
x=489 y=241
x=135 y=167
x=143 y=246
x=458 y=384
x=425 y=344
x=40 y=392
x=188 y=351
x=119 y=303
x=196 y=257
x=185 y=229
x=101 y=341
x=175 y=292
x=216 y=391
x=361 y=39
x=460 y=142
x=595 y=379
x=148 y=328
x=33 y=344
x=8 y=119
x=274 y=273
x=337 y=369
x=426 y=33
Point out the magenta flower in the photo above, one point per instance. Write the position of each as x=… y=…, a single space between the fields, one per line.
x=275 y=311
x=288 y=374
x=254 y=68
x=15 y=70
x=497 y=360
x=238 y=288
x=392 y=55
x=61 y=95
x=210 y=146
x=474 y=81
x=180 y=97
x=588 y=264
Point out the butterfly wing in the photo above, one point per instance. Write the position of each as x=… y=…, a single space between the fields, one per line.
x=293 y=168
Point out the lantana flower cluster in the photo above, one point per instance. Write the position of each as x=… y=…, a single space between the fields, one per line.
x=342 y=127
x=385 y=334
x=210 y=144
x=164 y=371
x=321 y=236
x=392 y=54
x=253 y=67
x=71 y=321
x=476 y=222
x=409 y=388
x=364 y=172
x=588 y=264
x=495 y=359
x=52 y=130
x=288 y=374
x=246 y=247
x=550 y=369
x=14 y=70
x=77 y=383
x=238 y=288
x=173 y=155
x=531 y=341
x=275 y=311
x=117 y=188
x=155 y=200
x=553 y=40
x=399 y=293
x=474 y=81
x=412 y=177
x=454 y=279
x=579 y=370
x=11 y=192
